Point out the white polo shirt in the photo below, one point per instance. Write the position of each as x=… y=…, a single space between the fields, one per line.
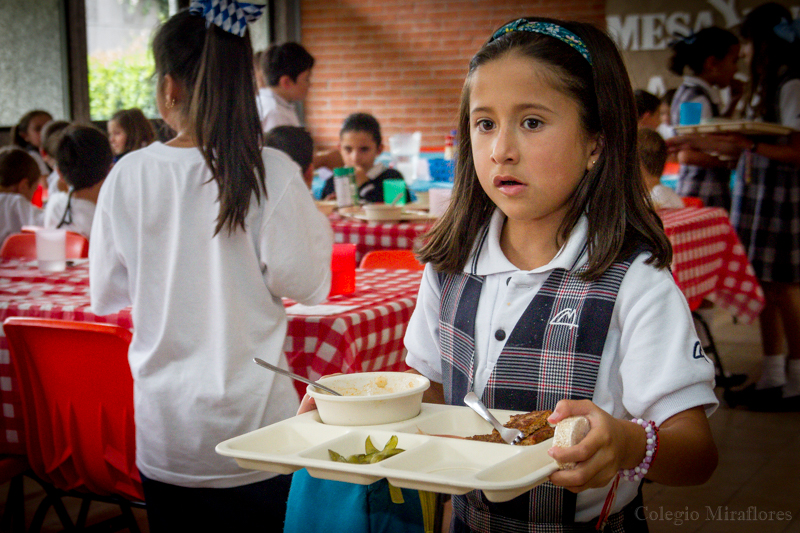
x=17 y=211
x=275 y=111
x=649 y=367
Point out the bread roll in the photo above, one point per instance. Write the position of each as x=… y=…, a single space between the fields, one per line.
x=570 y=432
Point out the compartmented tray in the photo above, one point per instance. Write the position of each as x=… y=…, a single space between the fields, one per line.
x=431 y=461
x=745 y=127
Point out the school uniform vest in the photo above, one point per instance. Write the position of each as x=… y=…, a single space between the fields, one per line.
x=553 y=353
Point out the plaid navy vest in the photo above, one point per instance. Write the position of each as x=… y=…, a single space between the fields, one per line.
x=553 y=353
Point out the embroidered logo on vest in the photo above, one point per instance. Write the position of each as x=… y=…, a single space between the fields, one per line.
x=566 y=317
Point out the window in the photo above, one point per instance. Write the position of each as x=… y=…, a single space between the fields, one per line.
x=120 y=64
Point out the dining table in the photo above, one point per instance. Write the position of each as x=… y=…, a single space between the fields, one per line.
x=379 y=235
x=709 y=261
x=357 y=332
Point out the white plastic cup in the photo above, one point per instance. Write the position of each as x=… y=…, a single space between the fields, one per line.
x=51 y=249
x=404 y=149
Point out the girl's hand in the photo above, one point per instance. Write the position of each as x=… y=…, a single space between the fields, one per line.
x=610 y=445
x=306 y=404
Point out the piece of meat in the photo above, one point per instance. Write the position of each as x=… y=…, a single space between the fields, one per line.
x=534 y=425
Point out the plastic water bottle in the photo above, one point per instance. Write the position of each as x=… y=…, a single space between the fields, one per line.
x=344 y=184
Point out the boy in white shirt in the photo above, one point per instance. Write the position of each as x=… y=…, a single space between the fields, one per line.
x=652 y=157
x=287 y=69
x=83 y=159
x=19 y=178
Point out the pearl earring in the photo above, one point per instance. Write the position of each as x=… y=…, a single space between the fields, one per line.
x=170 y=103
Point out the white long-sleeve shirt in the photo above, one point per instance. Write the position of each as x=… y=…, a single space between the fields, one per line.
x=204 y=305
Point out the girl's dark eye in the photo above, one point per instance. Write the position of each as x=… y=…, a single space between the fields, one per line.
x=484 y=124
x=531 y=123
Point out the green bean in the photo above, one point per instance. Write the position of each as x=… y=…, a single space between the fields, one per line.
x=369 y=447
x=372 y=455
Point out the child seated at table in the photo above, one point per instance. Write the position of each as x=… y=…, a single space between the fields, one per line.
x=129 y=130
x=360 y=143
x=19 y=177
x=51 y=136
x=83 y=159
x=298 y=144
x=652 y=158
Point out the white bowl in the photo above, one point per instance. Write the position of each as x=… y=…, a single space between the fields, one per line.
x=365 y=402
x=326 y=207
x=383 y=211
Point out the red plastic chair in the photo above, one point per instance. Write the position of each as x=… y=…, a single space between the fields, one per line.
x=23 y=246
x=77 y=406
x=391 y=259
x=691 y=201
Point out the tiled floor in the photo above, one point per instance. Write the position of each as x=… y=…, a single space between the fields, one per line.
x=754 y=489
x=755 y=486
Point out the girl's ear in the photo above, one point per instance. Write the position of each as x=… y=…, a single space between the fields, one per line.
x=596 y=147
x=171 y=89
x=285 y=82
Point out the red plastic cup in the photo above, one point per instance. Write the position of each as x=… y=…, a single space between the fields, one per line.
x=343 y=269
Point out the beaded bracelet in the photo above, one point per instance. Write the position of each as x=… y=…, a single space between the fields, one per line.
x=651 y=432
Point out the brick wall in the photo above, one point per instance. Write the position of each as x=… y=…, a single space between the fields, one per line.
x=405 y=61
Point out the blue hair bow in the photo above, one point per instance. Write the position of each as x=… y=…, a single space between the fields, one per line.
x=230 y=15
x=789 y=31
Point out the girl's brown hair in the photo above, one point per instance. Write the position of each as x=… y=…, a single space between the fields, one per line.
x=215 y=70
x=139 y=132
x=611 y=195
x=22 y=126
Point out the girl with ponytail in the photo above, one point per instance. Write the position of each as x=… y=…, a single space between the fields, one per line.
x=201 y=237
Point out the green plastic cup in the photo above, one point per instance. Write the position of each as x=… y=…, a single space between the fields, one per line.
x=391 y=188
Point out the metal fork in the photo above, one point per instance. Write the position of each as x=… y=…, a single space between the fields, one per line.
x=510 y=435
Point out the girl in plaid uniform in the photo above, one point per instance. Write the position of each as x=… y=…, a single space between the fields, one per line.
x=712 y=54
x=546 y=284
x=766 y=199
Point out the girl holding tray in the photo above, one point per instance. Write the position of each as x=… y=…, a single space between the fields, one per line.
x=546 y=284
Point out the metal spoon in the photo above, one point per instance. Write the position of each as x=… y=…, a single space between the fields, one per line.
x=292 y=375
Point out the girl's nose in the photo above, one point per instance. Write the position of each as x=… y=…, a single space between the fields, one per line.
x=505 y=148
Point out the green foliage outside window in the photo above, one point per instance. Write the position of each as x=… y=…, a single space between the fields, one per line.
x=121 y=81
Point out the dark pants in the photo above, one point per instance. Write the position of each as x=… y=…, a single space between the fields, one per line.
x=256 y=507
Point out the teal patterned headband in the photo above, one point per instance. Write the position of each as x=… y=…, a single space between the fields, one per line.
x=546 y=28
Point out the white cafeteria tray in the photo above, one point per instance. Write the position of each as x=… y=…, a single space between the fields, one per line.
x=429 y=462
x=741 y=126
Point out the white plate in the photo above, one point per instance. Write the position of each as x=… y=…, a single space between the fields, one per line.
x=429 y=462
x=739 y=126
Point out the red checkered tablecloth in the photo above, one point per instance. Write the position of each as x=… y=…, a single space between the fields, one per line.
x=368 y=336
x=365 y=338
x=369 y=236
x=710 y=262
